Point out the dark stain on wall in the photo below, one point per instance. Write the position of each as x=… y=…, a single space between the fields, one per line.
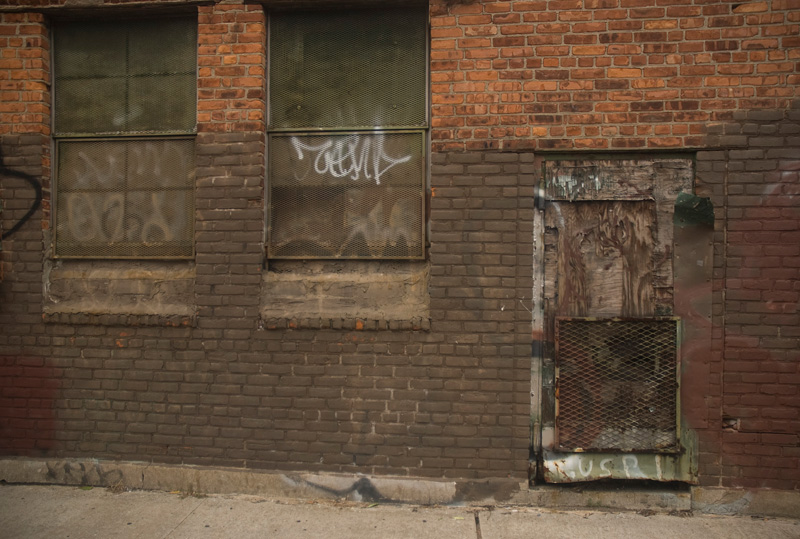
x=28 y=389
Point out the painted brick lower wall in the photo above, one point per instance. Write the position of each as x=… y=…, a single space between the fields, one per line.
x=451 y=401
x=755 y=186
x=448 y=401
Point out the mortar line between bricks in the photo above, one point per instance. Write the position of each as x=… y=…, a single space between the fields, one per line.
x=724 y=291
x=179 y=524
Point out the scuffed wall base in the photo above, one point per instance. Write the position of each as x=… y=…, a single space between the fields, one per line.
x=352 y=487
x=735 y=501
x=208 y=480
x=673 y=498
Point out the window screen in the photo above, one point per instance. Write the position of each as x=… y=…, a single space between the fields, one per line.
x=347 y=195
x=125 y=198
x=348 y=110
x=348 y=69
x=123 y=189
x=125 y=77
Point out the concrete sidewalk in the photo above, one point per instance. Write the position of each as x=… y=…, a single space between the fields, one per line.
x=85 y=512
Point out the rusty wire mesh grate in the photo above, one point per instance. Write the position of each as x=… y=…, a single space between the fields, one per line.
x=348 y=113
x=124 y=181
x=131 y=76
x=617 y=384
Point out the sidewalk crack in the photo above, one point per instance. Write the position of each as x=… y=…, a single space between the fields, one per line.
x=179 y=524
x=478 y=525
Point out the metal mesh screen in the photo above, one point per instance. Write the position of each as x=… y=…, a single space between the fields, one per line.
x=125 y=198
x=617 y=384
x=355 y=195
x=348 y=69
x=125 y=76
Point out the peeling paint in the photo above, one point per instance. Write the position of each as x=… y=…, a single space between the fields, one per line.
x=577 y=467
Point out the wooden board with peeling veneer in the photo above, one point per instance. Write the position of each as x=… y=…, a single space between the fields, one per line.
x=604 y=265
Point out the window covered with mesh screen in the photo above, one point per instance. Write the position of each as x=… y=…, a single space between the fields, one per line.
x=348 y=113
x=124 y=116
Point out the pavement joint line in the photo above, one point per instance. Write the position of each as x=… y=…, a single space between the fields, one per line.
x=478 y=525
x=179 y=524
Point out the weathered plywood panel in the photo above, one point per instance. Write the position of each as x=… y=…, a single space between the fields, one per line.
x=600 y=180
x=618 y=179
x=604 y=263
x=659 y=180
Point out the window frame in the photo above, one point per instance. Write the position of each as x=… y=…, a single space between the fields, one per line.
x=59 y=138
x=422 y=129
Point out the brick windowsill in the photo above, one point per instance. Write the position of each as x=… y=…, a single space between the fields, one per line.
x=355 y=324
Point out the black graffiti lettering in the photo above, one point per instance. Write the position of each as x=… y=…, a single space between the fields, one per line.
x=37 y=201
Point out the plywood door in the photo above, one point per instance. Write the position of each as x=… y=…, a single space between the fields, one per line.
x=601 y=258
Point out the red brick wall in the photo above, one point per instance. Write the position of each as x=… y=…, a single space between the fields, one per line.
x=232 y=68
x=605 y=74
x=25 y=99
x=25 y=74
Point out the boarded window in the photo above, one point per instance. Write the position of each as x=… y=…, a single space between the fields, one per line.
x=348 y=115
x=125 y=101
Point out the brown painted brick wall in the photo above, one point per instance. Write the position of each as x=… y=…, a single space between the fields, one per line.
x=756 y=187
x=449 y=402
x=28 y=381
x=508 y=78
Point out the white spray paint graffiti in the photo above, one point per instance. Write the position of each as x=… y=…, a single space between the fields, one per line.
x=578 y=467
x=127 y=192
x=373 y=226
x=107 y=173
x=104 y=217
x=95 y=217
x=630 y=463
x=356 y=156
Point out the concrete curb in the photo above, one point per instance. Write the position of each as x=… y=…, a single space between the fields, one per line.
x=762 y=502
x=661 y=498
x=210 y=480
